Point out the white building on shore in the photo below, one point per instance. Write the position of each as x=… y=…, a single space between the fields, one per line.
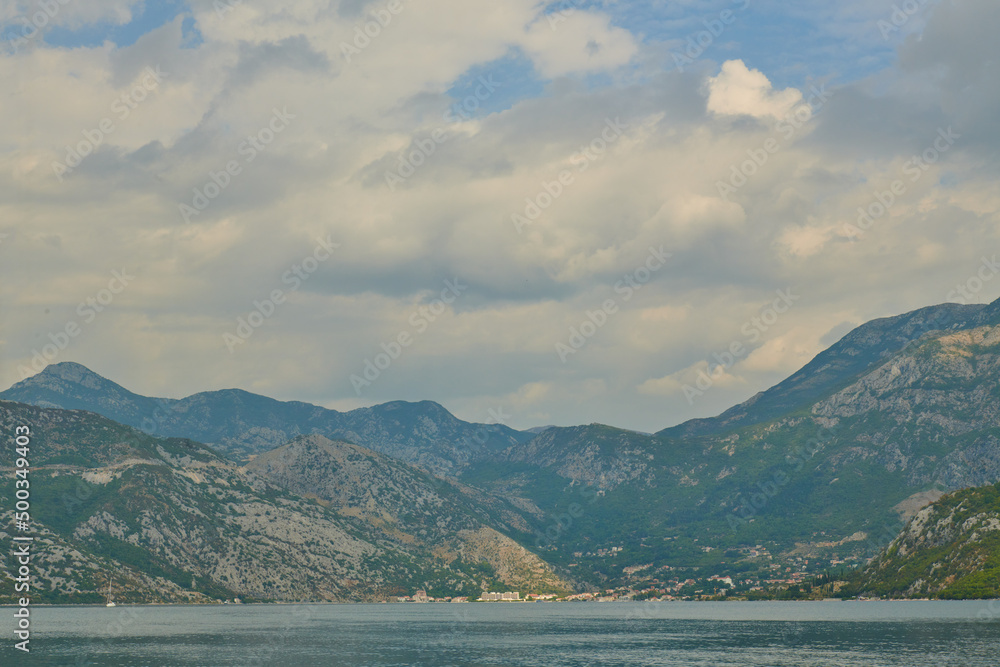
x=501 y=597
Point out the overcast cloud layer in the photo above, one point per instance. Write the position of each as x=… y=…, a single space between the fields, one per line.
x=628 y=213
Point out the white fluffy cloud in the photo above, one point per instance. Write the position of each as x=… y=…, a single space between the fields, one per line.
x=739 y=90
x=574 y=41
x=601 y=202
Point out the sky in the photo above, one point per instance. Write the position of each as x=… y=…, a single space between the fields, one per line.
x=632 y=213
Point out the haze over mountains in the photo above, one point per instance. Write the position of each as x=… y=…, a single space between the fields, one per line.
x=857 y=351
x=825 y=466
x=240 y=423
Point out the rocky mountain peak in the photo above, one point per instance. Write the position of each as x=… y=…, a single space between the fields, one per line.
x=59 y=375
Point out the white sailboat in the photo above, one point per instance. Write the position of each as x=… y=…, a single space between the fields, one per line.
x=111 y=602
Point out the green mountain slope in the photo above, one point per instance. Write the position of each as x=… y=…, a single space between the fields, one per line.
x=859 y=351
x=422 y=514
x=949 y=550
x=241 y=424
x=820 y=471
x=174 y=521
x=832 y=481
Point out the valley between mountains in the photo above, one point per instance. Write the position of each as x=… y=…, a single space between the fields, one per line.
x=891 y=437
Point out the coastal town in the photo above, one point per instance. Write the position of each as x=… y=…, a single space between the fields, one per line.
x=763 y=577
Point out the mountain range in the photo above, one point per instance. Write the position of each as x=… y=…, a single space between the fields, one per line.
x=173 y=520
x=824 y=468
x=241 y=424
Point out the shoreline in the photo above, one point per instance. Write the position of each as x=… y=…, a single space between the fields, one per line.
x=421 y=604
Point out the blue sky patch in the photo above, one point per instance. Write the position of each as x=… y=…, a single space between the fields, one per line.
x=495 y=86
x=147 y=17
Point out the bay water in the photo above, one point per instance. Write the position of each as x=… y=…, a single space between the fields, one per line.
x=828 y=634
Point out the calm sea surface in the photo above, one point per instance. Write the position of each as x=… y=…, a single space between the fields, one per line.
x=828 y=634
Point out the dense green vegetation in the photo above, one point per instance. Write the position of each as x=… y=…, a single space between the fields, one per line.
x=953 y=554
x=799 y=479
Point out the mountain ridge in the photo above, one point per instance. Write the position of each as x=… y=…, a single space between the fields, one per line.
x=824 y=468
x=242 y=423
x=412 y=509
x=830 y=479
x=856 y=351
x=178 y=522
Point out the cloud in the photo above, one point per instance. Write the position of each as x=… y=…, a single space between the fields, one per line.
x=690 y=214
x=653 y=186
x=804 y=241
x=738 y=90
x=669 y=313
x=782 y=354
x=74 y=15
x=700 y=376
x=573 y=41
